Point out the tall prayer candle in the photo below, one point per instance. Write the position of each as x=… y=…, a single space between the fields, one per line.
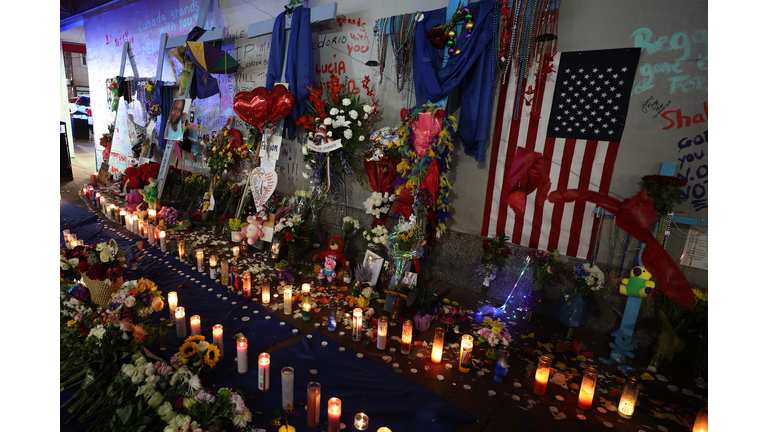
x=361 y=421
x=182 y=249
x=151 y=234
x=173 y=301
x=194 y=325
x=437 y=345
x=629 y=397
x=135 y=224
x=181 y=323
x=465 y=356
x=246 y=285
x=405 y=337
x=97 y=200
x=200 y=255
x=381 y=336
x=383 y=429
x=587 y=392
x=332 y=317
x=212 y=266
x=112 y=212
x=334 y=414
x=305 y=315
x=218 y=338
x=275 y=250
x=305 y=298
x=502 y=364
x=701 y=424
x=357 y=324
x=242 y=356
x=163 y=247
x=264 y=372
x=313 y=404
x=224 y=270
x=152 y=215
x=127 y=219
x=287 y=378
x=122 y=217
x=94 y=176
x=542 y=376
x=141 y=228
x=287 y=300
x=265 y=294
x=236 y=250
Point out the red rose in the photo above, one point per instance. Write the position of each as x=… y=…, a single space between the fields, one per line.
x=117 y=273
x=404 y=113
x=109 y=273
x=303 y=228
x=445 y=37
x=664 y=181
x=289 y=236
x=440 y=113
x=680 y=182
x=82 y=267
x=188 y=229
x=180 y=403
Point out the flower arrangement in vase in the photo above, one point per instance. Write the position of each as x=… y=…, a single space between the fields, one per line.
x=491 y=334
x=137 y=299
x=198 y=354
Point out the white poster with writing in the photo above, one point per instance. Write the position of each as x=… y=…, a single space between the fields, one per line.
x=696 y=247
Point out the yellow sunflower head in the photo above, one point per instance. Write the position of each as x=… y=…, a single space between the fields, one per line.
x=188 y=349
x=195 y=338
x=212 y=355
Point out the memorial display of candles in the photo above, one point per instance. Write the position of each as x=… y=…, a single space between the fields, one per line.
x=264 y=372
x=200 y=255
x=405 y=337
x=242 y=356
x=381 y=337
x=465 y=356
x=246 y=285
x=182 y=249
x=437 y=345
x=194 y=325
x=361 y=421
x=224 y=271
x=161 y=236
x=357 y=324
x=626 y=405
x=212 y=266
x=287 y=377
x=542 y=376
x=218 y=338
x=265 y=293
x=587 y=391
x=334 y=414
x=332 y=317
x=313 y=404
x=287 y=300
x=181 y=323
x=502 y=364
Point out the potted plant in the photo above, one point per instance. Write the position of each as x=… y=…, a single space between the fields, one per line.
x=424 y=300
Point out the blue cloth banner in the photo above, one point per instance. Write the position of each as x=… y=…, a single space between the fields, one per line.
x=473 y=69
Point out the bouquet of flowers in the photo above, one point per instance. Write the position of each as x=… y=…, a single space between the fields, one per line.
x=340 y=116
x=664 y=191
x=547 y=268
x=589 y=278
x=306 y=204
x=138 y=176
x=349 y=227
x=377 y=235
x=169 y=214
x=495 y=251
x=98 y=262
x=198 y=353
x=106 y=141
x=363 y=293
x=225 y=150
x=494 y=332
x=680 y=328
x=377 y=205
x=292 y=230
x=138 y=299
x=457 y=319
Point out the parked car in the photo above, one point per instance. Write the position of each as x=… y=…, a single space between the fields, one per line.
x=80 y=108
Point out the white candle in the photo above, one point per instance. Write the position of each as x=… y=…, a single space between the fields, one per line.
x=264 y=372
x=287 y=374
x=287 y=300
x=194 y=324
x=151 y=234
x=218 y=338
x=162 y=241
x=381 y=337
x=152 y=214
x=242 y=356
x=334 y=414
x=361 y=421
x=265 y=294
x=141 y=228
x=236 y=250
x=357 y=324
x=199 y=254
x=181 y=323
x=212 y=266
x=173 y=301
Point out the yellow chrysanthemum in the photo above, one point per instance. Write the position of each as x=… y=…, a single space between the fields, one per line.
x=212 y=355
x=188 y=349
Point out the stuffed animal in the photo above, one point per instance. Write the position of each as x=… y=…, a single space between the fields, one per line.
x=329 y=271
x=133 y=200
x=639 y=285
x=253 y=231
x=283 y=271
x=150 y=193
x=336 y=251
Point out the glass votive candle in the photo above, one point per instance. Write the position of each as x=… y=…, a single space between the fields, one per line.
x=361 y=421
x=465 y=356
x=701 y=424
x=182 y=245
x=242 y=356
x=587 y=391
x=246 y=285
x=212 y=266
x=334 y=414
x=200 y=255
x=502 y=364
x=332 y=317
x=194 y=325
x=224 y=270
x=265 y=296
x=287 y=378
x=629 y=397
x=313 y=404
x=218 y=338
x=437 y=345
x=275 y=250
x=542 y=376
x=287 y=300
x=405 y=337
x=152 y=215
x=383 y=429
x=173 y=301
x=181 y=323
x=236 y=250
x=305 y=314
x=163 y=244
x=357 y=324
x=381 y=336
x=264 y=361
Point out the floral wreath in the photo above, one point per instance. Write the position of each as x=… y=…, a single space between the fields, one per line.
x=414 y=167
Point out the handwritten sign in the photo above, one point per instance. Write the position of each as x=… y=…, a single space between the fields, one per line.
x=103 y=177
x=696 y=248
x=263 y=185
x=325 y=148
x=271 y=150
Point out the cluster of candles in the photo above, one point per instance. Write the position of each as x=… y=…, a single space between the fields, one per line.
x=71 y=241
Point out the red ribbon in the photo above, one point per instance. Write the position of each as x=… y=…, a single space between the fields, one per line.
x=636 y=215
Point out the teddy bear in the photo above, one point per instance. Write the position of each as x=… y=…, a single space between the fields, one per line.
x=336 y=251
x=639 y=285
x=329 y=270
x=253 y=231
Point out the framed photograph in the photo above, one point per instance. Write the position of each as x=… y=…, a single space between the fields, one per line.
x=174 y=126
x=409 y=279
x=373 y=263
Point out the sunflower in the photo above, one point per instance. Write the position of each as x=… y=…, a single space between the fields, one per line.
x=212 y=355
x=188 y=349
x=195 y=338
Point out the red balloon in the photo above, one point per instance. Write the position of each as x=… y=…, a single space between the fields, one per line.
x=253 y=107
x=282 y=104
x=279 y=89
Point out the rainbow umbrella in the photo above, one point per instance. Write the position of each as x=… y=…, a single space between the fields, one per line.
x=211 y=59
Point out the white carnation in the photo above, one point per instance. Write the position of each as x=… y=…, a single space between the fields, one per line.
x=348 y=133
x=362 y=138
x=368 y=109
x=305 y=150
x=334 y=111
x=330 y=134
x=353 y=114
x=327 y=121
x=346 y=102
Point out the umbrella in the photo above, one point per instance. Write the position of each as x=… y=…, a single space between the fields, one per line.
x=211 y=59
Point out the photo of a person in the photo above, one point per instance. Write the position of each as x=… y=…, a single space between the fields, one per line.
x=174 y=129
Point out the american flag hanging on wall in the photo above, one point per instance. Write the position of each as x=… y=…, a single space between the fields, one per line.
x=574 y=113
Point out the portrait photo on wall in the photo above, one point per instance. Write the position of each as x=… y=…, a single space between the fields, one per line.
x=174 y=128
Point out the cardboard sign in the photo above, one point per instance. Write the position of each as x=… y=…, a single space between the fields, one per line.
x=263 y=185
x=271 y=150
x=325 y=148
x=103 y=177
x=268 y=228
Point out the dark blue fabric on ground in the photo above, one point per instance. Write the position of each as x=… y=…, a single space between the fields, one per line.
x=385 y=396
x=72 y=216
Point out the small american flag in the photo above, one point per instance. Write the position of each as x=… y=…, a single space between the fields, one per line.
x=574 y=111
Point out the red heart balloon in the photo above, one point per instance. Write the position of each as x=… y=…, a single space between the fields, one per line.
x=282 y=104
x=253 y=107
x=279 y=89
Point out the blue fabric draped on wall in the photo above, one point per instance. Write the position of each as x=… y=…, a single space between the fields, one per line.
x=472 y=69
